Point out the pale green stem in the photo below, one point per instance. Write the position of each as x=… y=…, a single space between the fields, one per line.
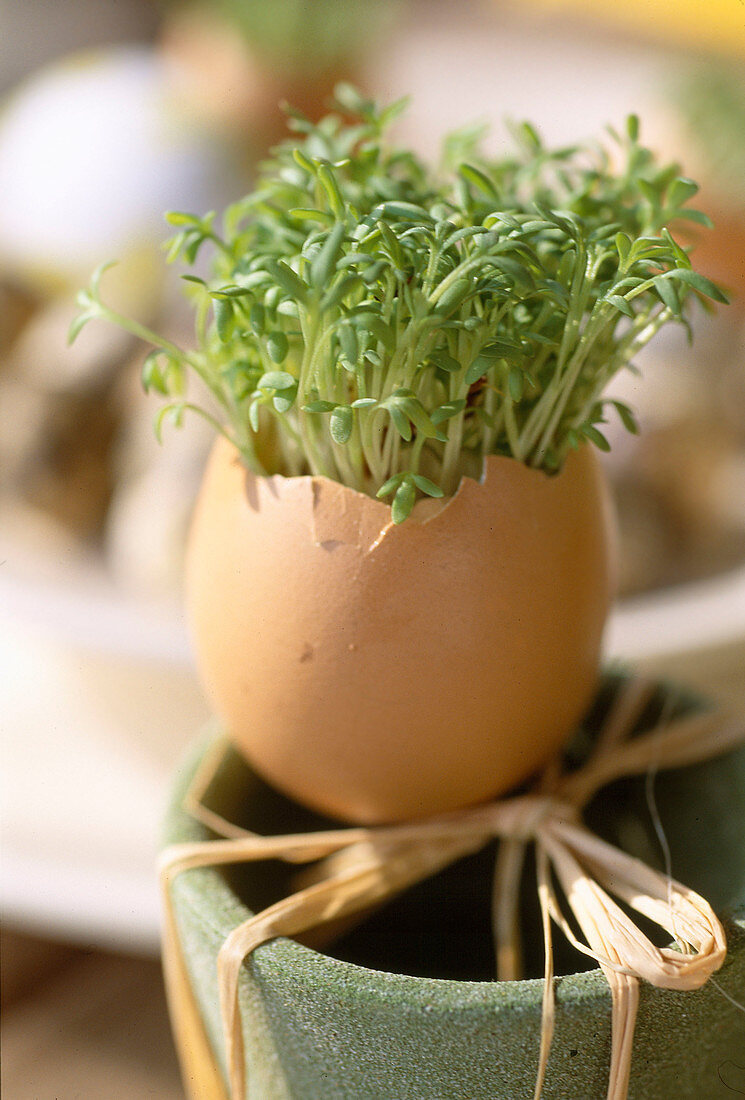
x=457 y=389
x=311 y=429
x=568 y=382
x=376 y=437
x=498 y=416
x=416 y=452
x=547 y=412
x=510 y=422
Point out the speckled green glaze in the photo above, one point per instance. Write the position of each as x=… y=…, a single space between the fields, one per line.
x=326 y=1028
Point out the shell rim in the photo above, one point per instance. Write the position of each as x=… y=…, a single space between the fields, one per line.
x=441 y=505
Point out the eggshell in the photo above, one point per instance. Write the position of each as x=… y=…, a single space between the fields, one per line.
x=377 y=672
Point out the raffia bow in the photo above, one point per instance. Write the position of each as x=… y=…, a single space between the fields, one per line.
x=356 y=868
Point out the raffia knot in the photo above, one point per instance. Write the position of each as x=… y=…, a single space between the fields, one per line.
x=525 y=817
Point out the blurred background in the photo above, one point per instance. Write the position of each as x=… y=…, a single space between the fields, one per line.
x=111 y=112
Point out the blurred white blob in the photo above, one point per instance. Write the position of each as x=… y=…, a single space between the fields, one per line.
x=93 y=150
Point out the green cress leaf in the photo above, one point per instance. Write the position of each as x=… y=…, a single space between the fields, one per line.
x=479 y=180
x=389 y=486
x=173 y=412
x=349 y=343
x=341 y=424
x=178 y=219
x=224 y=318
x=192 y=244
x=680 y=191
x=516 y=383
x=288 y=280
x=698 y=282
x=566 y=267
x=310 y=215
x=530 y=137
x=681 y=257
x=668 y=294
x=277 y=345
x=492 y=296
x=478 y=368
x=283 y=400
x=453 y=297
x=257 y=319
x=407 y=211
x=445 y=412
x=426 y=486
x=389 y=241
x=328 y=181
x=233 y=291
x=446 y=362
x=381 y=331
x=372 y=273
x=412 y=407
x=589 y=431
x=305 y=162
x=253 y=414
x=403 y=501
x=338 y=291
x=620 y=303
x=324 y=263
x=623 y=246
x=276 y=380
x=153 y=377
x=401 y=422
x=696 y=216
x=516 y=270
x=273 y=297
x=627 y=417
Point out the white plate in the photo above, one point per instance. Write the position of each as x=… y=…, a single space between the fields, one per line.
x=99 y=702
x=673 y=622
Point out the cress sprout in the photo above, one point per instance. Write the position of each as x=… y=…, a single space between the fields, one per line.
x=388 y=324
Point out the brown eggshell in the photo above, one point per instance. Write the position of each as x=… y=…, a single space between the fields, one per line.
x=377 y=672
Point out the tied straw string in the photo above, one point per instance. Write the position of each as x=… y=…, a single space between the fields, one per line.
x=356 y=868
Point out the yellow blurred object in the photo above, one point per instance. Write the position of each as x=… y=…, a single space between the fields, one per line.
x=704 y=25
